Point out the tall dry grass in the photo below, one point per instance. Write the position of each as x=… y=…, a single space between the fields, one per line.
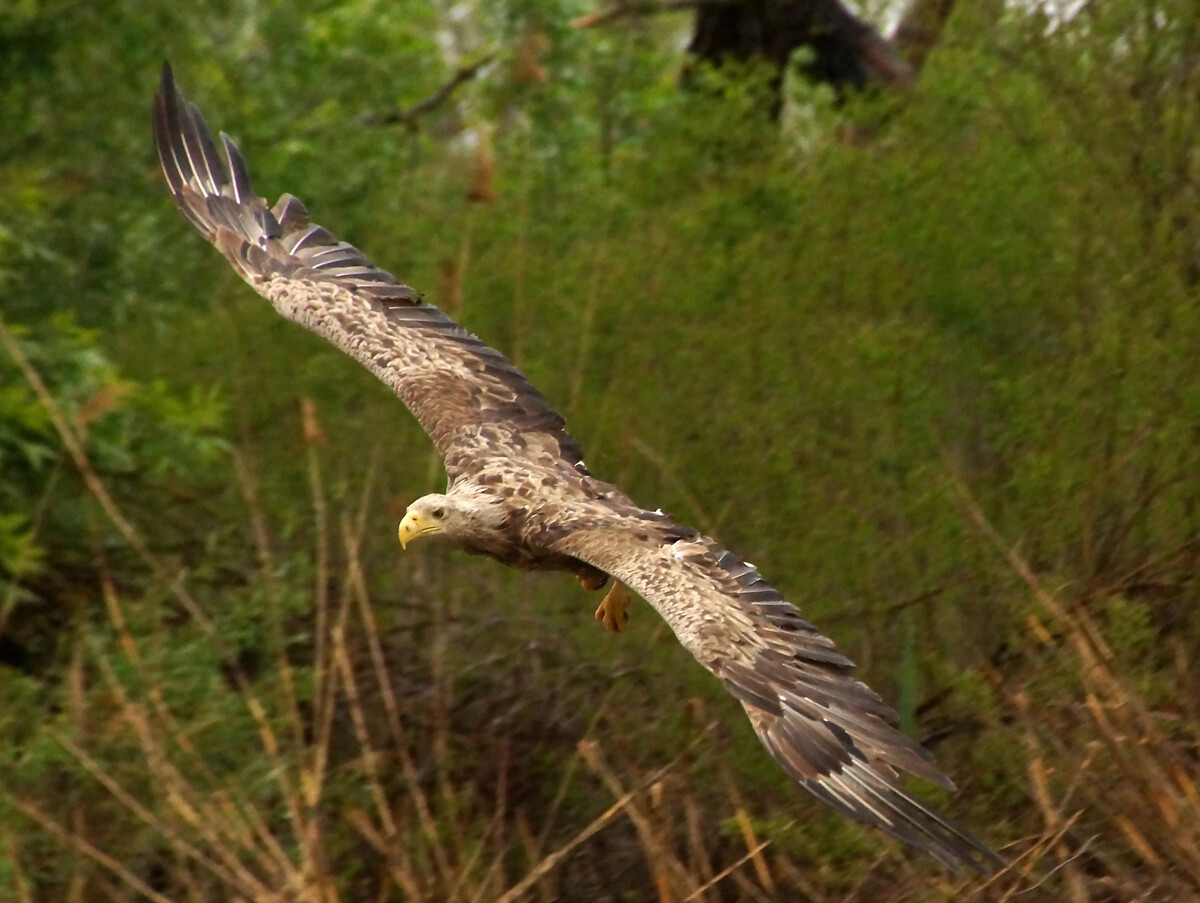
x=1110 y=807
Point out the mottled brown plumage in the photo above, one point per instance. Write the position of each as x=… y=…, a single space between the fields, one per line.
x=520 y=492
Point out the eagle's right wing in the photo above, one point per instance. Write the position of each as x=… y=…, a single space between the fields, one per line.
x=453 y=382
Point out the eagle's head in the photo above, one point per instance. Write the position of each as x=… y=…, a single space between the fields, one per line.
x=459 y=519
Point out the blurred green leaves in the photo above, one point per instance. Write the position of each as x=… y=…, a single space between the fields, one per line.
x=149 y=434
x=784 y=334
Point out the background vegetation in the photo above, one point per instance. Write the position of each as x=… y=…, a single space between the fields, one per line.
x=940 y=383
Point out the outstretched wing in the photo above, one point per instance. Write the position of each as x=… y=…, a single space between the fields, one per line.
x=830 y=732
x=449 y=379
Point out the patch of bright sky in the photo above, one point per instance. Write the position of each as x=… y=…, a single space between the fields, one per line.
x=1057 y=11
x=888 y=12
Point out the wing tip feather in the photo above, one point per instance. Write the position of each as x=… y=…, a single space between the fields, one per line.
x=844 y=779
x=239 y=173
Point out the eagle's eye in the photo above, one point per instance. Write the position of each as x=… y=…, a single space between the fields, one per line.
x=439 y=513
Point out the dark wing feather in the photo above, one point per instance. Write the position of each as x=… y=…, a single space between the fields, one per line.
x=829 y=731
x=451 y=381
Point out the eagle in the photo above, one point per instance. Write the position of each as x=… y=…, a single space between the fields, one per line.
x=520 y=492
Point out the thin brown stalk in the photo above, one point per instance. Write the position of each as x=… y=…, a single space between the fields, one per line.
x=490 y=835
x=1051 y=815
x=669 y=873
x=1138 y=842
x=856 y=892
x=81 y=846
x=398 y=864
x=748 y=833
x=266 y=559
x=283 y=864
x=1121 y=717
x=754 y=853
x=519 y=258
x=696 y=838
x=464 y=254
x=178 y=792
x=550 y=862
x=1024 y=865
x=547 y=889
x=493 y=878
x=164 y=575
x=370 y=761
x=797 y=878
x=223 y=835
x=358 y=588
x=243 y=880
x=440 y=680
x=129 y=647
x=748 y=889
x=500 y=814
x=97 y=488
x=326 y=689
x=311 y=776
x=20 y=882
x=233 y=822
x=77 y=705
x=326 y=706
x=573 y=767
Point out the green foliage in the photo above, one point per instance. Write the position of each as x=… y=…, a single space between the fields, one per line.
x=144 y=438
x=804 y=338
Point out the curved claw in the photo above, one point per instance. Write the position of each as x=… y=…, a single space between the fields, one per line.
x=612 y=608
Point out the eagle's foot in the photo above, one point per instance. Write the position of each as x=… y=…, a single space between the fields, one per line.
x=612 y=608
x=592 y=581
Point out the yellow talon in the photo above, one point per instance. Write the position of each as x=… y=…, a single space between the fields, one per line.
x=612 y=607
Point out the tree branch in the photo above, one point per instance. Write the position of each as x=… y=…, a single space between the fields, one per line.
x=409 y=115
x=645 y=8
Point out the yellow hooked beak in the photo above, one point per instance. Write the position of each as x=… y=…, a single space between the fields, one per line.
x=414 y=525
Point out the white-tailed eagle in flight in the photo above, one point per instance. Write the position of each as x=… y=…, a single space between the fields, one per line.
x=520 y=492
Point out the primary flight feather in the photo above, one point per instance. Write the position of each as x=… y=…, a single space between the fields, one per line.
x=520 y=492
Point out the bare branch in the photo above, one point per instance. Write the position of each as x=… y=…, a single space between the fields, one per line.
x=409 y=115
x=646 y=8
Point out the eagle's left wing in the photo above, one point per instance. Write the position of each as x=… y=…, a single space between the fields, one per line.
x=831 y=733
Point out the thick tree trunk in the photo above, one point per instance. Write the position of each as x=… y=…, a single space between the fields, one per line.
x=848 y=53
x=920 y=29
